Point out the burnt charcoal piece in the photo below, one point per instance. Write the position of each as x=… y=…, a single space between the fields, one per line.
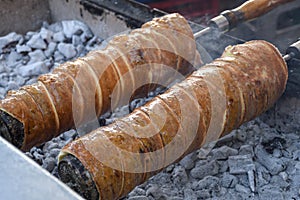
x=11 y=129
x=73 y=173
x=276 y=143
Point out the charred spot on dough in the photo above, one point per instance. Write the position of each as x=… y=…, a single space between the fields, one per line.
x=73 y=173
x=11 y=129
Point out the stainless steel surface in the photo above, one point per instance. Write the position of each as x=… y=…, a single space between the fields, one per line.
x=219 y=23
x=294 y=50
x=22 y=178
x=287 y=57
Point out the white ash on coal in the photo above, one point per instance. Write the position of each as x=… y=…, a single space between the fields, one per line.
x=260 y=160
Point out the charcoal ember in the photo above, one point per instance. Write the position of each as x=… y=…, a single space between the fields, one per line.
x=296 y=155
x=13 y=58
x=274 y=165
x=68 y=50
x=243 y=179
x=154 y=191
x=223 y=166
x=188 y=162
x=241 y=136
x=58 y=57
x=137 y=192
x=242 y=189
x=3 y=68
x=29 y=35
x=73 y=27
x=38 y=157
x=55 y=27
x=171 y=191
x=13 y=76
x=229 y=181
x=227 y=139
x=11 y=38
x=93 y=43
x=274 y=143
x=59 y=37
x=50 y=50
x=190 y=194
x=232 y=195
x=46 y=34
x=297 y=166
x=252 y=180
x=71 y=134
x=277 y=153
x=240 y=164
x=53 y=145
x=136 y=103
x=208 y=182
x=31 y=80
x=176 y=198
x=278 y=181
x=263 y=175
x=270 y=192
x=49 y=164
x=36 y=56
x=204 y=168
x=54 y=152
x=138 y=198
x=179 y=176
x=4 y=78
x=23 y=48
x=36 y=42
x=12 y=85
x=203 y=194
x=33 y=69
x=76 y=40
x=223 y=152
x=119 y=112
x=246 y=150
x=81 y=50
x=285 y=114
x=25 y=59
x=284 y=176
x=2 y=92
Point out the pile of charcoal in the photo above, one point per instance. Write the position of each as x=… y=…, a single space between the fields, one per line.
x=24 y=57
x=260 y=160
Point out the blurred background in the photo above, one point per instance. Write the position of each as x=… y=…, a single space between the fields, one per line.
x=196 y=10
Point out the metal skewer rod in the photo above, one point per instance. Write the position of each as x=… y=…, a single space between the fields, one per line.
x=293 y=51
x=287 y=57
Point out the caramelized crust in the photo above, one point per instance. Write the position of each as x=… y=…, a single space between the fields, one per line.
x=211 y=102
x=80 y=91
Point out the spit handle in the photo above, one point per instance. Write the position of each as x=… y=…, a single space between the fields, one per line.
x=250 y=10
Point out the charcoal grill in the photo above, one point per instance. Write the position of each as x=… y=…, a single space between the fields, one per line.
x=107 y=18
